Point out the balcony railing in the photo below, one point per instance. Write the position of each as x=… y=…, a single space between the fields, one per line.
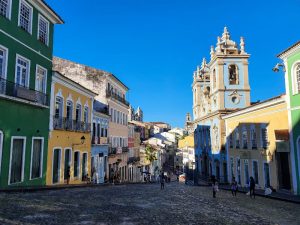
x=133 y=160
x=117 y=97
x=18 y=91
x=125 y=149
x=62 y=123
x=112 y=151
x=99 y=140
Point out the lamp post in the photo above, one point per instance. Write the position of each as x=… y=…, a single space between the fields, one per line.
x=82 y=140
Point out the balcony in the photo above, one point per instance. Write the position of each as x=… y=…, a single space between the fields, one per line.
x=99 y=140
x=125 y=149
x=133 y=160
x=12 y=89
x=112 y=151
x=116 y=97
x=62 y=123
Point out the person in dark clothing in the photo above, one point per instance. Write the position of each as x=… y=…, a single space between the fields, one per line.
x=234 y=186
x=252 y=187
x=162 y=181
x=214 y=185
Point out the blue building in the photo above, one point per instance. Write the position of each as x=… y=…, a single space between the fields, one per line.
x=219 y=87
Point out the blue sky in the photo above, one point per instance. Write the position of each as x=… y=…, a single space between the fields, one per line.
x=154 y=46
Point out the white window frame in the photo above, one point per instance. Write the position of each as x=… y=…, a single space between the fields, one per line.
x=40 y=17
x=23 y=158
x=29 y=65
x=31 y=14
x=8 y=13
x=59 y=170
x=1 y=147
x=263 y=126
x=72 y=106
x=70 y=159
x=237 y=174
x=42 y=155
x=294 y=78
x=46 y=74
x=5 y=60
x=87 y=162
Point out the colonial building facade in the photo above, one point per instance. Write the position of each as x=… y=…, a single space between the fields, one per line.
x=69 y=146
x=291 y=59
x=219 y=87
x=26 y=45
x=258 y=144
x=112 y=92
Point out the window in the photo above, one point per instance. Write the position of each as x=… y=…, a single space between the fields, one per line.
x=231 y=167
x=233 y=74
x=76 y=164
x=67 y=165
x=22 y=71
x=56 y=165
x=17 y=155
x=3 y=62
x=255 y=171
x=86 y=115
x=264 y=137
x=43 y=33
x=214 y=79
x=111 y=114
x=253 y=138
x=5 y=6
x=84 y=167
x=246 y=167
x=296 y=80
x=25 y=16
x=69 y=115
x=41 y=79
x=78 y=116
x=238 y=170
x=244 y=136
x=36 y=158
x=237 y=138
x=267 y=174
x=98 y=130
x=58 y=107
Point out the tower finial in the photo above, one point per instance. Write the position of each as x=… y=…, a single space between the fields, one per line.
x=242 y=45
x=225 y=35
x=203 y=63
x=218 y=48
x=212 y=52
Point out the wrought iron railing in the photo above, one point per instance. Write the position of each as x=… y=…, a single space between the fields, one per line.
x=18 y=91
x=62 y=123
x=133 y=160
x=117 y=97
x=112 y=151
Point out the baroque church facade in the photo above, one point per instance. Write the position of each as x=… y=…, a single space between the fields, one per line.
x=219 y=87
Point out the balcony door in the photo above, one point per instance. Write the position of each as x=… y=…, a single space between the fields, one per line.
x=56 y=166
x=3 y=63
x=67 y=164
x=22 y=71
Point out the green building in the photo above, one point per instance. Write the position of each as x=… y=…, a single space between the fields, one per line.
x=26 y=46
x=291 y=59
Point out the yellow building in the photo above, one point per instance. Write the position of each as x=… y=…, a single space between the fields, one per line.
x=257 y=144
x=187 y=152
x=69 y=144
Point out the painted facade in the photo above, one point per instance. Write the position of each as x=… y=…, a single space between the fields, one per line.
x=186 y=147
x=99 y=161
x=258 y=145
x=112 y=92
x=291 y=59
x=26 y=45
x=219 y=87
x=69 y=145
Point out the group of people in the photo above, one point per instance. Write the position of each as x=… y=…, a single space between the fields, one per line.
x=234 y=186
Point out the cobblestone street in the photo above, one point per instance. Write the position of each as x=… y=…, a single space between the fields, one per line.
x=142 y=204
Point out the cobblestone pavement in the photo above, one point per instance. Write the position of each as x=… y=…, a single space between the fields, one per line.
x=143 y=204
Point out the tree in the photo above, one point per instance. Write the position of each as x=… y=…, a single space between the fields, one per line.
x=150 y=153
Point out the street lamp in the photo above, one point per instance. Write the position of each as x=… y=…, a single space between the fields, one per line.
x=82 y=140
x=277 y=66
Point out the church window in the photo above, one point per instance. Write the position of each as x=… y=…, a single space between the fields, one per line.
x=233 y=74
x=214 y=78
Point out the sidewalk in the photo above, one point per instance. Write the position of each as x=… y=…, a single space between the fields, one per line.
x=287 y=197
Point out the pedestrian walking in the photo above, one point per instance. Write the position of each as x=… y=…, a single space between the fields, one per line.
x=214 y=185
x=234 y=187
x=252 y=187
x=162 y=181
